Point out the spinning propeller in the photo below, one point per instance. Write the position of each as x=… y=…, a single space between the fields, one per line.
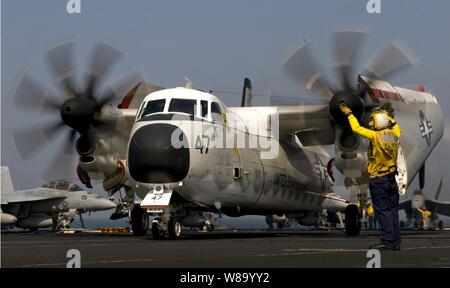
x=79 y=109
x=346 y=49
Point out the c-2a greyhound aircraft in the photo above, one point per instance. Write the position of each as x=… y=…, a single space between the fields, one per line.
x=183 y=151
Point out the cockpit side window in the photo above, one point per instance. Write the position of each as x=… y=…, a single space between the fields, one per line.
x=62 y=185
x=216 y=112
x=75 y=187
x=50 y=184
x=140 y=111
x=154 y=106
x=204 y=107
x=183 y=106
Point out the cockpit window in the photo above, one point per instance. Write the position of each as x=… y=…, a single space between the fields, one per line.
x=204 y=106
x=50 y=184
x=153 y=106
x=75 y=187
x=183 y=105
x=62 y=185
x=216 y=112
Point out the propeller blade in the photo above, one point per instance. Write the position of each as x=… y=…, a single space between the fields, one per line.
x=108 y=97
x=302 y=68
x=30 y=141
x=390 y=60
x=51 y=130
x=102 y=60
x=387 y=62
x=30 y=95
x=63 y=164
x=69 y=150
x=107 y=121
x=346 y=47
x=61 y=65
x=124 y=84
x=120 y=86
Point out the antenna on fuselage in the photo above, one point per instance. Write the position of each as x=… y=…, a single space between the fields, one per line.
x=188 y=83
x=246 y=99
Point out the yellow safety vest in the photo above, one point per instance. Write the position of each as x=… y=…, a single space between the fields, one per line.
x=383 y=150
x=370 y=210
x=425 y=213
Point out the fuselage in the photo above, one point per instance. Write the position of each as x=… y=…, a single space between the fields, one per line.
x=224 y=158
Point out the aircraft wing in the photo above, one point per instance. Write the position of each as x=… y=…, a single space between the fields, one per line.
x=38 y=194
x=441 y=208
x=311 y=123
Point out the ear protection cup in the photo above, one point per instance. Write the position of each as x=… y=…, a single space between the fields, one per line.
x=379 y=120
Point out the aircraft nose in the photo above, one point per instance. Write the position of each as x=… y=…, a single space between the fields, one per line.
x=105 y=204
x=153 y=159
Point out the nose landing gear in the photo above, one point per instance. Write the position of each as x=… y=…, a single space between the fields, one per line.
x=172 y=227
x=157 y=230
x=169 y=221
x=139 y=221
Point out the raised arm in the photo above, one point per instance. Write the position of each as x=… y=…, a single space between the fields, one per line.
x=354 y=124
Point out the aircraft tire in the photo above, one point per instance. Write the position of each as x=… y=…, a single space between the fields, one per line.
x=174 y=228
x=139 y=221
x=281 y=225
x=157 y=232
x=352 y=220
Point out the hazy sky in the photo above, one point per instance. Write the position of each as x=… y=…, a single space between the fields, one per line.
x=214 y=43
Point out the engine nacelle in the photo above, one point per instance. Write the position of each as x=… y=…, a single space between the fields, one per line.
x=35 y=221
x=8 y=219
x=351 y=161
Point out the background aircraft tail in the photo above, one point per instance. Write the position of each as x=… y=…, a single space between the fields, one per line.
x=7 y=185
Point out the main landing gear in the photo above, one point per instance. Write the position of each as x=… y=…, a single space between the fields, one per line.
x=352 y=220
x=139 y=221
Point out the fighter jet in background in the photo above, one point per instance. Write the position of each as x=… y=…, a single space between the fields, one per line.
x=54 y=204
x=423 y=213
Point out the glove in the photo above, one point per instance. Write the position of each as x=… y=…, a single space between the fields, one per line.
x=345 y=109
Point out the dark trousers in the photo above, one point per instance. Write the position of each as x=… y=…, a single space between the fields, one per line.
x=385 y=199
